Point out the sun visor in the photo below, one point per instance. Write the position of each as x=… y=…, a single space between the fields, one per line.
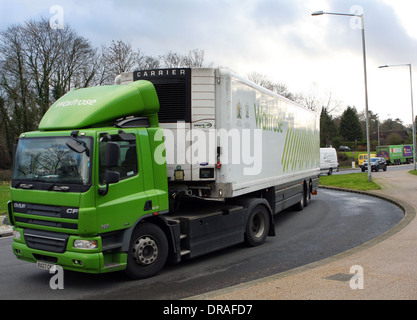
x=89 y=107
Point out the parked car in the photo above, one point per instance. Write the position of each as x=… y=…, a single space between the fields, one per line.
x=344 y=148
x=363 y=156
x=376 y=164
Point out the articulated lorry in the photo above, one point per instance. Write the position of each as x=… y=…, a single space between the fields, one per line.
x=165 y=165
x=396 y=154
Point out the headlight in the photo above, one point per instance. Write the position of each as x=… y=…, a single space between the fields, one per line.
x=85 y=244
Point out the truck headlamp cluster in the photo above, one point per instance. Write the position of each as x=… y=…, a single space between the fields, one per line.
x=85 y=244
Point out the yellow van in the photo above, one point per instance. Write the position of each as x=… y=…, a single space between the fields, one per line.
x=363 y=157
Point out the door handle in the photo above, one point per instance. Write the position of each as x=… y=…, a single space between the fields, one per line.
x=148 y=205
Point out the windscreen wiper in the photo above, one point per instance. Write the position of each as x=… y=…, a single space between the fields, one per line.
x=54 y=187
x=19 y=184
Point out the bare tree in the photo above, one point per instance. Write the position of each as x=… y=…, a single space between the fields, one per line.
x=73 y=64
x=118 y=58
x=277 y=87
x=42 y=51
x=332 y=104
x=148 y=62
x=171 y=60
x=193 y=59
x=16 y=81
x=38 y=64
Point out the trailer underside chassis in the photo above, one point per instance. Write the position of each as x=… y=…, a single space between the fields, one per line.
x=200 y=227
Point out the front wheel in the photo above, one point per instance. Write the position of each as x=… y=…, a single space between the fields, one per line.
x=257 y=226
x=148 y=251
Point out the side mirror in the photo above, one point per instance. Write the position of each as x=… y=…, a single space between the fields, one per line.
x=112 y=176
x=112 y=160
x=112 y=154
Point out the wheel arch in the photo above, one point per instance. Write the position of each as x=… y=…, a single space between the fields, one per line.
x=158 y=220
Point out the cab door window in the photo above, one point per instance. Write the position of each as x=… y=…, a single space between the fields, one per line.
x=128 y=162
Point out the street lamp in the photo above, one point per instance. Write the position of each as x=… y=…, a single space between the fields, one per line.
x=412 y=107
x=319 y=13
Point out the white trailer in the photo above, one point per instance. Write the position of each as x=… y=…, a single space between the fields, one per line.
x=227 y=137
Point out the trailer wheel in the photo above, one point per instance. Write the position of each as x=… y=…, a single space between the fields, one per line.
x=304 y=199
x=306 y=193
x=148 y=251
x=257 y=226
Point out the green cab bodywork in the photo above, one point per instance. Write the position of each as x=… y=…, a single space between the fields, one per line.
x=108 y=219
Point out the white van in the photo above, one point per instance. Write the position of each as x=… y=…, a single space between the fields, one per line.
x=328 y=160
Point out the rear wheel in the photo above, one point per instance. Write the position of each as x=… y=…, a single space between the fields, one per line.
x=148 y=251
x=304 y=200
x=257 y=226
x=306 y=194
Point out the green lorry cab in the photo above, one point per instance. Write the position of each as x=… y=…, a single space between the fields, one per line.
x=81 y=224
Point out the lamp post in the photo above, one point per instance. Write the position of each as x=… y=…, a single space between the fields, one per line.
x=319 y=13
x=412 y=107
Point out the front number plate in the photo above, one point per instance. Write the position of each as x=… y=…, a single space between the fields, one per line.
x=44 y=265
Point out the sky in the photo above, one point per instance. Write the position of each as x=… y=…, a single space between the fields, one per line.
x=319 y=56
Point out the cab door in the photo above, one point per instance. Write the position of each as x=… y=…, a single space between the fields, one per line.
x=126 y=199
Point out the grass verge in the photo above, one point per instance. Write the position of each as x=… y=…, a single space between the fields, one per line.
x=354 y=181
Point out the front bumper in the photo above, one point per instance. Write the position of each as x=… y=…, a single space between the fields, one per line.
x=72 y=259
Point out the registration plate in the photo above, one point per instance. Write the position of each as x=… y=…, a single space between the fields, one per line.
x=44 y=265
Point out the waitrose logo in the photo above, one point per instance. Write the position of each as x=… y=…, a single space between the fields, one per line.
x=75 y=102
x=268 y=121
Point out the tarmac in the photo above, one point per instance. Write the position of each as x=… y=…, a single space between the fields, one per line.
x=384 y=268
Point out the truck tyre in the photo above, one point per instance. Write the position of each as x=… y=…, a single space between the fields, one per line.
x=304 y=200
x=306 y=194
x=148 y=251
x=257 y=226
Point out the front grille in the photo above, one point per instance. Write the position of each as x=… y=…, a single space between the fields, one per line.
x=47 y=223
x=45 y=240
x=37 y=214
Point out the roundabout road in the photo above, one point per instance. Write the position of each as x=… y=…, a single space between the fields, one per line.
x=335 y=221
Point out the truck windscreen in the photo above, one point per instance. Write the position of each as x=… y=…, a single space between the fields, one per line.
x=49 y=159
